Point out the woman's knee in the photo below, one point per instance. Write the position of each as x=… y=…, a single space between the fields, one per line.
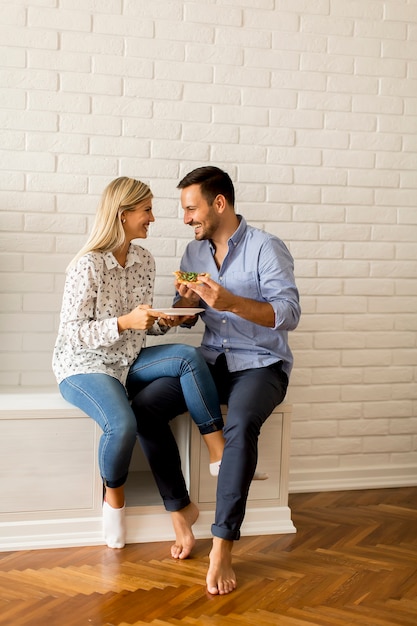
x=122 y=427
x=127 y=428
x=190 y=353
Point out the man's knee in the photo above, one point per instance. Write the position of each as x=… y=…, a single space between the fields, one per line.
x=161 y=398
x=243 y=430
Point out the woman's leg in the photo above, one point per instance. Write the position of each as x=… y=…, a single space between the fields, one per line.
x=185 y=362
x=199 y=390
x=104 y=399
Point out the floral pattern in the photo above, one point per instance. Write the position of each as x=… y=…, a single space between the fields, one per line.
x=97 y=291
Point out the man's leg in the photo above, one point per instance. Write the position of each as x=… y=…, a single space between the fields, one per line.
x=253 y=395
x=198 y=389
x=154 y=406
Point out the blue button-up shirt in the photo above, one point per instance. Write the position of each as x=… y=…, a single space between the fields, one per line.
x=259 y=266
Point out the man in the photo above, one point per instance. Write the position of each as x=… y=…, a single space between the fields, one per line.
x=251 y=301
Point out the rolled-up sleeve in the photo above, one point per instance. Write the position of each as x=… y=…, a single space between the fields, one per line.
x=277 y=283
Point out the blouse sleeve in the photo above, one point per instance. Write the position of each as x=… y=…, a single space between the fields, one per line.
x=78 y=314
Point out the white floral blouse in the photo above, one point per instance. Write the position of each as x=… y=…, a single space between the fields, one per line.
x=97 y=291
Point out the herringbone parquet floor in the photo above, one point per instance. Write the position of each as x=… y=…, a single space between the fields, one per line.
x=352 y=562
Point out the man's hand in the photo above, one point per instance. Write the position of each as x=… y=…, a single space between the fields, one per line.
x=212 y=293
x=188 y=297
x=219 y=298
x=174 y=320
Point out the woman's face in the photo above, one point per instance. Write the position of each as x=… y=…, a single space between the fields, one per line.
x=136 y=221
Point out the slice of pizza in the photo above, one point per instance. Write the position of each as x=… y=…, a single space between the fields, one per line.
x=188 y=277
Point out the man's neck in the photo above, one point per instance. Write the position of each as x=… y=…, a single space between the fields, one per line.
x=228 y=226
x=220 y=241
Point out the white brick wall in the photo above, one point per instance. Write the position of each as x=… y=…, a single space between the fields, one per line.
x=311 y=107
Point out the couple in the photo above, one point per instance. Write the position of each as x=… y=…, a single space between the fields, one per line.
x=250 y=303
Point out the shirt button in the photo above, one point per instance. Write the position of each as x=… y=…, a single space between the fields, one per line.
x=224 y=340
x=223 y=321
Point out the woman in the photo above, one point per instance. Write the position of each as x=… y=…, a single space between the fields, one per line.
x=99 y=360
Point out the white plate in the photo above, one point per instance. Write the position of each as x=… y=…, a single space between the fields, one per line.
x=178 y=311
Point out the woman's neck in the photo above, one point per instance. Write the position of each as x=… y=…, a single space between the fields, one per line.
x=121 y=253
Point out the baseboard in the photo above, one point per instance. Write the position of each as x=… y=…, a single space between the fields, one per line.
x=337 y=479
x=58 y=533
x=142 y=527
x=259 y=521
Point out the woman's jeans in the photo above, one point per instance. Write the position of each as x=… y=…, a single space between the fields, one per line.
x=251 y=396
x=106 y=400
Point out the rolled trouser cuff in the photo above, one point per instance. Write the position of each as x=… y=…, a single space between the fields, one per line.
x=225 y=533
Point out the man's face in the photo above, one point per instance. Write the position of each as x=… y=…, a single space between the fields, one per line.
x=198 y=213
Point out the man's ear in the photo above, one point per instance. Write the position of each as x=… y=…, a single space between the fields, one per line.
x=220 y=203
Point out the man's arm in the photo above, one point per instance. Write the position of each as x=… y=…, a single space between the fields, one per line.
x=221 y=299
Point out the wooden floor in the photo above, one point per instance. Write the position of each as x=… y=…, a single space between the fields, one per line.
x=352 y=562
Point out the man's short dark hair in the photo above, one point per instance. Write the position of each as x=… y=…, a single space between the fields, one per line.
x=213 y=181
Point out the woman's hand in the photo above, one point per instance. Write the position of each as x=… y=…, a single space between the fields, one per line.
x=140 y=318
x=143 y=318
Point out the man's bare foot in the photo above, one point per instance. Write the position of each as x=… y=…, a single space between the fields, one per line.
x=183 y=521
x=221 y=578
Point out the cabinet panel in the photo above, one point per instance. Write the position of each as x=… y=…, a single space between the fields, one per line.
x=273 y=451
x=47 y=465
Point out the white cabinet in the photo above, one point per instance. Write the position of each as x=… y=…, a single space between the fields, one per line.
x=267 y=508
x=52 y=490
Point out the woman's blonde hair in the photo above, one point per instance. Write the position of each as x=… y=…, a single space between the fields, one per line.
x=122 y=194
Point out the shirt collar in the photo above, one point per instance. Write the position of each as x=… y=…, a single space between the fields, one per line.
x=133 y=256
x=239 y=232
x=234 y=240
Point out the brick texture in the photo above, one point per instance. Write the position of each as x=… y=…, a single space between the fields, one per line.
x=311 y=108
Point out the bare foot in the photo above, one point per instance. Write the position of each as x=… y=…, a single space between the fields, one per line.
x=221 y=578
x=184 y=538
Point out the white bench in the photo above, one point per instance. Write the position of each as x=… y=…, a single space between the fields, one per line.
x=52 y=490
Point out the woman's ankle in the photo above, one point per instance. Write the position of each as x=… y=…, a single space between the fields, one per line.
x=115 y=497
x=114 y=527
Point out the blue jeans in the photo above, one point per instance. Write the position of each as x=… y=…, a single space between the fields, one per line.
x=106 y=400
x=251 y=396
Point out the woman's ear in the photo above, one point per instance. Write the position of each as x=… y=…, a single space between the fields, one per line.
x=122 y=217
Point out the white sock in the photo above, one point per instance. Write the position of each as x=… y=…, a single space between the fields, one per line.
x=215 y=468
x=114 y=526
x=260 y=476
